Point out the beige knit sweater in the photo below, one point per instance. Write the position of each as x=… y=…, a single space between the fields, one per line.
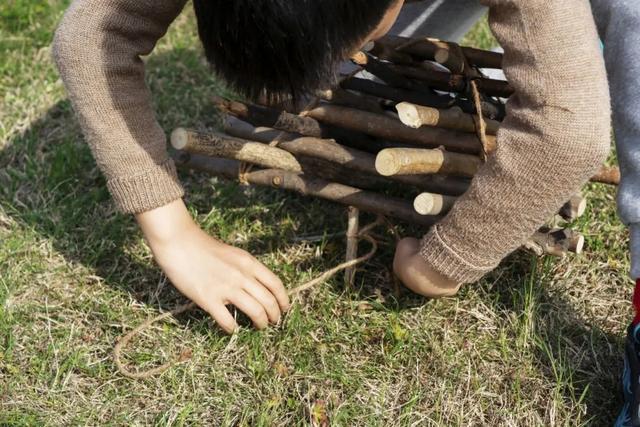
x=554 y=137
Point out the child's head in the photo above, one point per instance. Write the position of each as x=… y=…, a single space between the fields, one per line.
x=284 y=47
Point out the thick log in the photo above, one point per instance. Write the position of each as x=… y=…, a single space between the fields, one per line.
x=608 y=175
x=264 y=116
x=445 y=81
x=364 y=200
x=418 y=161
x=433 y=204
x=575 y=207
x=454 y=118
x=219 y=145
x=425 y=49
x=387 y=128
x=351 y=158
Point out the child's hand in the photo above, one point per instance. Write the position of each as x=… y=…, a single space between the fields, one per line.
x=416 y=274
x=211 y=273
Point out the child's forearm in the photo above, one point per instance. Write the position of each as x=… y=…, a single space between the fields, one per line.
x=555 y=135
x=163 y=224
x=97 y=49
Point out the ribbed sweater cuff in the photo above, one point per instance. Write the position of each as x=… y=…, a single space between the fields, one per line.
x=151 y=189
x=443 y=259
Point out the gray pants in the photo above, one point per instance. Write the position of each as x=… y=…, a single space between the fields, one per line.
x=619 y=26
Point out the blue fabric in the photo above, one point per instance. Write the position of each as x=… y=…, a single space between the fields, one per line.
x=625 y=418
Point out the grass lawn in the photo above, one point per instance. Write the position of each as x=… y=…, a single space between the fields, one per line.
x=537 y=342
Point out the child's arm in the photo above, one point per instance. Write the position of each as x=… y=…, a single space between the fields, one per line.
x=209 y=272
x=97 y=49
x=555 y=136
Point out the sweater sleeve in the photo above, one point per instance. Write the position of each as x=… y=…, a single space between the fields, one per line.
x=97 y=49
x=556 y=134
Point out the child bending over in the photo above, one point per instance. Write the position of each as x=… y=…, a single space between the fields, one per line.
x=555 y=135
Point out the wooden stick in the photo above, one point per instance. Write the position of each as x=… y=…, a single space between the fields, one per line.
x=556 y=242
x=219 y=145
x=402 y=95
x=352 y=244
x=355 y=120
x=454 y=118
x=390 y=93
x=353 y=159
x=608 y=175
x=363 y=200
x=418 y=161
x=445 y=81
x=264 y=116
x=574 y=208
x=350 y=196
x=345 y=98
x=241 y=129
x=390 y=76
x=426 y=48
x=433 y=204
x=387 y=128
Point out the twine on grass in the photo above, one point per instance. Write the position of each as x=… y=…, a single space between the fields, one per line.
x=186 y=354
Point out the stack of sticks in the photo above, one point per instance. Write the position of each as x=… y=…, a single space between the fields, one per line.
x=421 y=128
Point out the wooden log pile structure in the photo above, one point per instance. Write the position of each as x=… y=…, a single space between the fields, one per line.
x=422 y=129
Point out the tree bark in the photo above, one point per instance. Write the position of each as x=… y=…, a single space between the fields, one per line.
x=608 y=175
x=350 y=158
x=418 y=161
x=387 y=128
x=454 y=118
x=218 y=145
x=426 y=48
x=310 y=186
x=363 y=200
x=265 y=116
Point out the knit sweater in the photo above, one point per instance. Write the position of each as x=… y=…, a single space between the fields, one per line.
x=97 y=48
x=553 y=139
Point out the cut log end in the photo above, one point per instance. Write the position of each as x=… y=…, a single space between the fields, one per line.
x=409 y=115
x=574 y=208
x=179 y=138
x=433 y=204
x=576 y=244
x=386 y=163
x=428 y=204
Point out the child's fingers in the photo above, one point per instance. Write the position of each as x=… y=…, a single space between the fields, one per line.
x=251 y=307
x=273 y=283
x=221 y=315
x=264 y=297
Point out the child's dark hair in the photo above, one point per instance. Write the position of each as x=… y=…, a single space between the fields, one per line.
x=280 y=48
